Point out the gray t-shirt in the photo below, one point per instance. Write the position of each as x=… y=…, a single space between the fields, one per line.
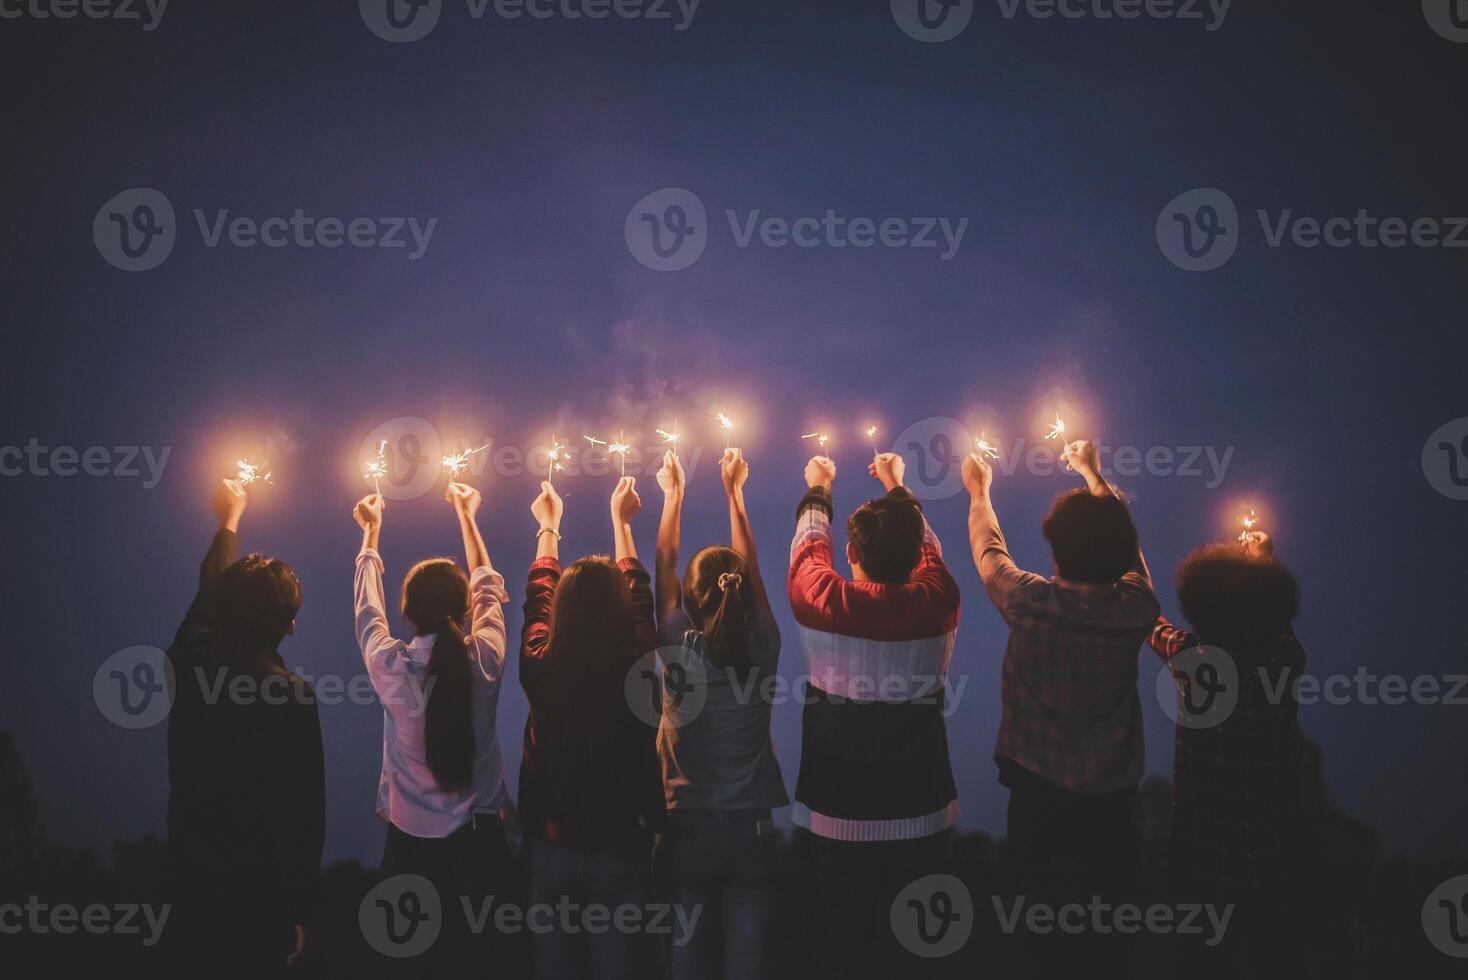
x=719 y=756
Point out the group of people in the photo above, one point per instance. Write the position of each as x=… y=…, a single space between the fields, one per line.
x=616 y=813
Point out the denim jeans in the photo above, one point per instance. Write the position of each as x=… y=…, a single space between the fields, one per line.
x=718 y=865
x=601 y=946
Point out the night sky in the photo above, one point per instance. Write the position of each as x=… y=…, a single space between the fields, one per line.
x=1325 y=370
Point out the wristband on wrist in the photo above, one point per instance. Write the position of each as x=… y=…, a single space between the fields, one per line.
x=550 y=530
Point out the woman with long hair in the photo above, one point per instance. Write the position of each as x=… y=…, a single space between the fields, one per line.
x=590 y=795
x=442 y=782
x=718 y=639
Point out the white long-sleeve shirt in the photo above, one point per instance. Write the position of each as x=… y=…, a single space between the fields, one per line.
x=407 y=794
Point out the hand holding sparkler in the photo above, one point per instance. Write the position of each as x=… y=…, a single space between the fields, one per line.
x=368 y=514
x=671 y=476
x=820 y=472
x=888 y=468
x=464 y=498
x=547 y=508
x=1256 y=543
x=734 y=469
x=978 y=475
x=1082 y=457
x=229 y=504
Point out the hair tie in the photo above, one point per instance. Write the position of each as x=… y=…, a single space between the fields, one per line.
x=730 y=580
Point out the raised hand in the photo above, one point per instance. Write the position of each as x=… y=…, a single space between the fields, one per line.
x=820 y=472
x=229 y=503
x=547 y=507
x=368 y=512
x=464 y=498
x=625 y=501
x=978 y=475
x=734 y=469
x=888 y=468
x=670 y=476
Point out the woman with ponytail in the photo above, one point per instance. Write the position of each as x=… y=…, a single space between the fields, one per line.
x=442 y=782
x=719 y=644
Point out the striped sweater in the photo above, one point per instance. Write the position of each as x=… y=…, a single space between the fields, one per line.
x=874 y=760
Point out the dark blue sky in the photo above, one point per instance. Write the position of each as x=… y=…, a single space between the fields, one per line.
x=1324 y=369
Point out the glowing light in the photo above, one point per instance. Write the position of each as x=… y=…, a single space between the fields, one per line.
x=670 y=438
x=821 y=438
x=554 y=455
x=1057 y=428
x=377 y=468
x=727 y=424
x=250 y=473
x=617 y=448
x=1249 y=521
x=871 y=432
x=459 y=462
x=985 y=448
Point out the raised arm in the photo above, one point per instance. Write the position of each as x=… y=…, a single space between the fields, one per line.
x=735 y=471
x=465 y=500
x=229 y=506
x=625 y=504
x=669 y=589
x=1082 y=457
x=547 y=510
x=370 y=602
x=1000 y=575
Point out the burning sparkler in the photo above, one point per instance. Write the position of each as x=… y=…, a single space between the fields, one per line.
x=821 y=438
x=553 y=460
x=1057 y=429
x=617 y=448
x=459 y=462
x=986 y=449
x=727 y=424
x=871 y=432
x=670 y=439
x=377 y=468
x=1249 y=521
x=250 y=473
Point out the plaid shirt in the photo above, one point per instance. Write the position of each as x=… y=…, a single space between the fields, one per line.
x=1235 y=785
x=1071 y=712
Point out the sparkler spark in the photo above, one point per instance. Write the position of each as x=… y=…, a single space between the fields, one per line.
x=670 y=438
x=553 y=460
x=458 y=462
x=821 y=438
x=377 y=468
x=250 y=473
x=616 y=448
x=727 y=424
x=871 y=432
x=1249 y=520
x=1057 y=429
x=986 y=449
